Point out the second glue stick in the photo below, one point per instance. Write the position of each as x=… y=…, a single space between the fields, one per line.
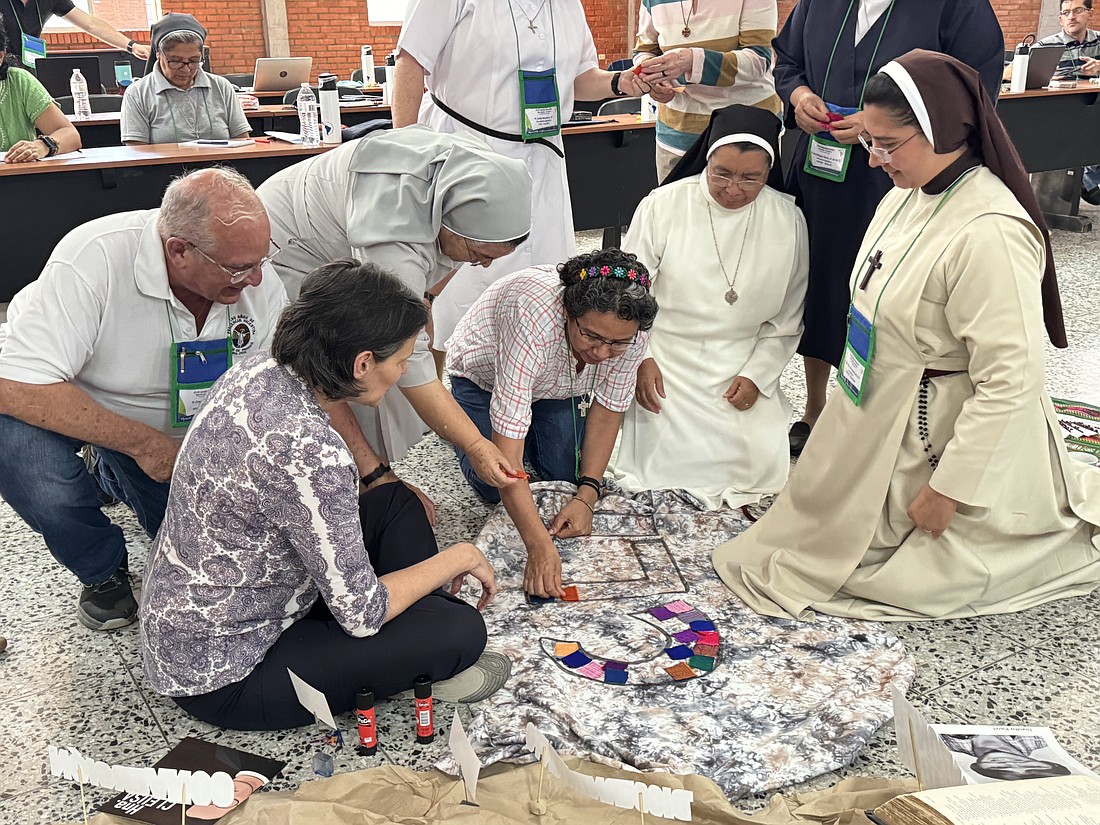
x=425 y=723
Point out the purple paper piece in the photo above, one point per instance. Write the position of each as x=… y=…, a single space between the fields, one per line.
x=609 y=665
x=661 y=613
x=686 y=636
x=692 y=616
x=678 y=652
x=576 y=659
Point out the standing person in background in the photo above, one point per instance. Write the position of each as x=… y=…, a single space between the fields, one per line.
x=475 y=89
x=823 y=57
x=1080 y=60
x=28 y=17
x=719 y=50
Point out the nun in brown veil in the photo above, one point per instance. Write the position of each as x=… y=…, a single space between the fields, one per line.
x=936 y=484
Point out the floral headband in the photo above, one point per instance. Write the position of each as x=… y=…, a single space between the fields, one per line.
x=636 y=275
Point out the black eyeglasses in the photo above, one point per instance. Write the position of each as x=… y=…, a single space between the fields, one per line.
x=173 y=63
x=593 y=338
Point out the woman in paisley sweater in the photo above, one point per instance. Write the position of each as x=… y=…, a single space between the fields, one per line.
x=276 y=555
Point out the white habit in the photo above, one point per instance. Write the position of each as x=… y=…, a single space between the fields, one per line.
x=699 y=442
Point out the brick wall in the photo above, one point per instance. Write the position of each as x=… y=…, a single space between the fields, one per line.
x=333 y=30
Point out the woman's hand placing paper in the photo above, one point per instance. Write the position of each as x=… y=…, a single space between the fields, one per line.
x=742 y=393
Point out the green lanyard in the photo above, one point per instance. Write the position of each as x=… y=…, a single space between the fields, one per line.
x=572 y=406
x=553 y=34
x=18 y=22
x=172 y=114
x=965 y=176
x=874 y=54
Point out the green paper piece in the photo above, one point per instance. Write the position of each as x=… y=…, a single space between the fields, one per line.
x=702 y=662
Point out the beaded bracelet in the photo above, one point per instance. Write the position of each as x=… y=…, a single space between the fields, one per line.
x=588 y=481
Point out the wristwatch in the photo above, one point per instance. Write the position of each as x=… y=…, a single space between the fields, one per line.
x=130 y=46
x=615 y=85
x=51 y=145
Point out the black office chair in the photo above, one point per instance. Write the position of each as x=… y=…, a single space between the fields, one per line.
x=620 y=65
x=357 y=76
x=621 y=106
x=100 y=103
x=291 y=97
x=364 y=128
x=240 y=80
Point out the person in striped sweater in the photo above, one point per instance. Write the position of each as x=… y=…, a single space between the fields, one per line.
x=702 y=55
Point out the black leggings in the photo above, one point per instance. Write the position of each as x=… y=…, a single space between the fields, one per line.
x=437 y=636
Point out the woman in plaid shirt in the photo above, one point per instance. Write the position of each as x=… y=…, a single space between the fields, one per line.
x=545 y=363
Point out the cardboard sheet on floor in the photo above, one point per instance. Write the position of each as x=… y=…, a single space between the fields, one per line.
x=752 y=703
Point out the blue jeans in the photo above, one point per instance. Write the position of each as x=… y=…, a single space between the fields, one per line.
x=43 y=478
x=552 y=443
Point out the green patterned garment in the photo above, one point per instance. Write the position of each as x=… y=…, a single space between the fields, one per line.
x=22 y=101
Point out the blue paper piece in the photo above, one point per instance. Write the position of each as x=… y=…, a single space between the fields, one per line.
x=679 y=652
x=615 y=677
x=577 y=659
x=699 y=626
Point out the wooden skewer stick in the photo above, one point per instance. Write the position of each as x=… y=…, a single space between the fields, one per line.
x=83 y=800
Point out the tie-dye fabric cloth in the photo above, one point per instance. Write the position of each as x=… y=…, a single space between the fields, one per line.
x=657 y=666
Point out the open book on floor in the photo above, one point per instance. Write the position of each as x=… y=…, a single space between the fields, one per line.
x=1058 y=800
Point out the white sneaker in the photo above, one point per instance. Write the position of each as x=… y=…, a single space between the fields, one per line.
x=479 y=681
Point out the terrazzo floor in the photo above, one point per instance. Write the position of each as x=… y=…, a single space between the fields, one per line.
x=65 y=685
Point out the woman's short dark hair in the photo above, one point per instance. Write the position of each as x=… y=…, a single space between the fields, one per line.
x=883 y=92
x=3 y=48
x=626 y=298
x=345 y=308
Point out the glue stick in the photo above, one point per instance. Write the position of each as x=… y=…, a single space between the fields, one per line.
x=364 y=715
x=425 y=725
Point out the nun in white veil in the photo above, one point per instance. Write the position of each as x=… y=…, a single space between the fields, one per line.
x=419 y=204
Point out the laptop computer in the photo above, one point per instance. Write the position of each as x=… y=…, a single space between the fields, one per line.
x=1042 y=62
x=281 y=74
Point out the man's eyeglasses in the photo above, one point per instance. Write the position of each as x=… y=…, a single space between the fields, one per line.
x=744 y=184
x=238 y=275
x=182 y=64
x=877 y=152
x=594 y=339
x=1074 y=12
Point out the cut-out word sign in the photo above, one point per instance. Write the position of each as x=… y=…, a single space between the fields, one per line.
x=657 y=800
x=184 y=787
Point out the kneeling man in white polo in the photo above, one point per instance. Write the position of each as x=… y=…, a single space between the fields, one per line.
x=115 y=346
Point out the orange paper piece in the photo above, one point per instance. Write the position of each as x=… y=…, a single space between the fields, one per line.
x=680 y=671
x=563 y=649
x=571 y=594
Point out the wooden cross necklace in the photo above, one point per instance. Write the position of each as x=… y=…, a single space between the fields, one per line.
x=874 y=262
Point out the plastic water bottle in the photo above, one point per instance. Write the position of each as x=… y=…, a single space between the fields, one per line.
x=82 y=104
x=307 y=116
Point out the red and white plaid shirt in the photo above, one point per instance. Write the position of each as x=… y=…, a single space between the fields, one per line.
x=512 y=343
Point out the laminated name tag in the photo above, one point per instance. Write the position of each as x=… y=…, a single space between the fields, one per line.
x=540 y=111
x=827 y=159
x=859 y=348
x=196 y=365
x=33 y=48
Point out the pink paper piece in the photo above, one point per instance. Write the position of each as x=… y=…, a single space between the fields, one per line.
x=708 y=637
x=678 y=606
x=593 y=670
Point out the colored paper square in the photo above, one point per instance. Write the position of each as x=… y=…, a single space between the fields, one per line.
x=536 y=601
x=575 y=659
x=571 y=594
x=702 y=662
x=678 y=652
x=692 y=616
x=686 y=636
x=615 y=677
x=610 y=665
x=661 y=613
x=706 y=650
x=709 y=637
x=678 y=606
x=593 y=670
x=563 y=649
x=680 y=671
x=699 y=627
